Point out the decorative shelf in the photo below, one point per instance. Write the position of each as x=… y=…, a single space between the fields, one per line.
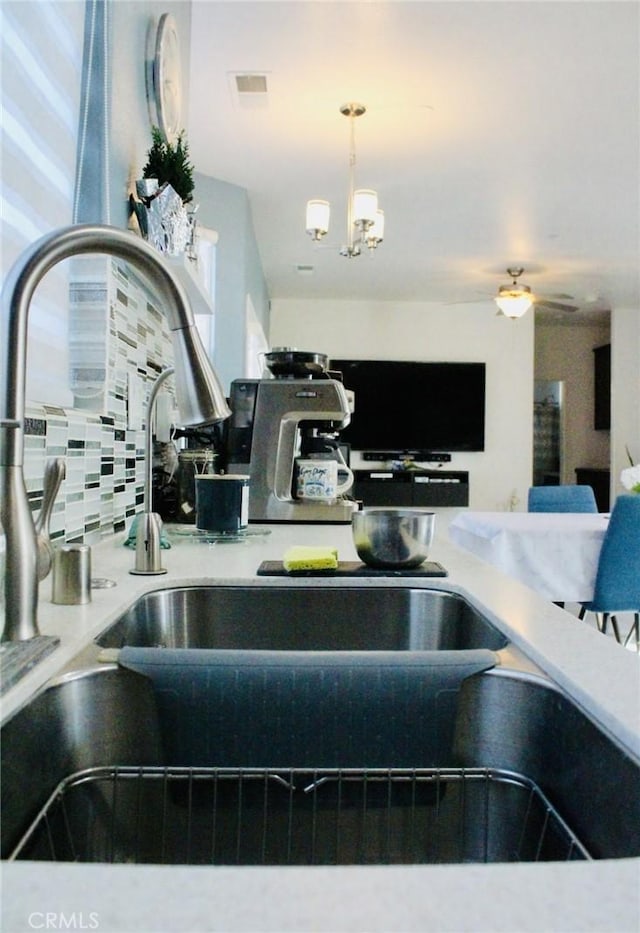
x=186 y=273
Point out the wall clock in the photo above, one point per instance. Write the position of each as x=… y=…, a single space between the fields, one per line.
x=167 y=77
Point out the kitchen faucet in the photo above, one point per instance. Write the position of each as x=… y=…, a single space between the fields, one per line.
x=199 y=395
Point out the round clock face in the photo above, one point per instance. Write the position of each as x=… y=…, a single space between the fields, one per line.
x=167 y=77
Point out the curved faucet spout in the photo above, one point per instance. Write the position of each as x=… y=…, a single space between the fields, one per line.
x=199 y=395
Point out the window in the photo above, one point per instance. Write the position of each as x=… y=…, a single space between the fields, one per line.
x=41 y=56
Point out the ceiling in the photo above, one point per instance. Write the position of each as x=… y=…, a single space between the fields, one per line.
x=496 y=134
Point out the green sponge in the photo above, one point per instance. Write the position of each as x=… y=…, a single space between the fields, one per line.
x=302 y=557
x=130 y=540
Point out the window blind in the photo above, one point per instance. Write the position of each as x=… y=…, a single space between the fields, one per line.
x=41 y=71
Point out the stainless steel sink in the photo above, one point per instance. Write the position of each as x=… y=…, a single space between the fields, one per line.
x=507 y=768
x=304 y=619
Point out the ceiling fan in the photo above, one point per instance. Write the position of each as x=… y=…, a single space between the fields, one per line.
x=515 y=299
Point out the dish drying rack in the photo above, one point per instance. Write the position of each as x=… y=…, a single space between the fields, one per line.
x=249 y=816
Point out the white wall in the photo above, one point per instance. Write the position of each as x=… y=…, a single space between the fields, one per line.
x=226 y=209
x=426 y=331
x=565 y=353
x=625 y=391
x=134 y=25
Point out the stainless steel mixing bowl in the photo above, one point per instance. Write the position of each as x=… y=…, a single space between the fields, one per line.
x=393 y=538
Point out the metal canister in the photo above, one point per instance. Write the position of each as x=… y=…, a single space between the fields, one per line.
x=192 y=463
x=71 y=575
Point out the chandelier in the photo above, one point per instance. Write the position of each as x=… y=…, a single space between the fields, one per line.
x=514 y=300
x=365 y=221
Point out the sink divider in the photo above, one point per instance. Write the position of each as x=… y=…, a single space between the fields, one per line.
x=306 y=709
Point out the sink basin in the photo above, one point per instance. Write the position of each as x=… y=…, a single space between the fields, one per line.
x=306 y=618
x=504 y=768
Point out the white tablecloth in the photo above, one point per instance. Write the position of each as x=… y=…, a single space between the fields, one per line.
x=554 y=553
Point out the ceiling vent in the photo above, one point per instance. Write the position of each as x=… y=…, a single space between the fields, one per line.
x=248 y=90
x=251 y=84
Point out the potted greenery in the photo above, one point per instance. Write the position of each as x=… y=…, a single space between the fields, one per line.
x=166 y=186
x=170 y=164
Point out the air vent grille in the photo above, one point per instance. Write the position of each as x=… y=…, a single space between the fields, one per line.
x=251 y=84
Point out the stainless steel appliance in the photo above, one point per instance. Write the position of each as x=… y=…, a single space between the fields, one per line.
x=274 y=423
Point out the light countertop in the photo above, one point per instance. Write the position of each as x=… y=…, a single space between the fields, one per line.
x=599 y=675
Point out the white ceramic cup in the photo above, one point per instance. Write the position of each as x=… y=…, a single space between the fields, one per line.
x=317 y=480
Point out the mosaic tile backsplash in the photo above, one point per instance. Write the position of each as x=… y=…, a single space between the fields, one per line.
x=118 y=321
x=104 y=471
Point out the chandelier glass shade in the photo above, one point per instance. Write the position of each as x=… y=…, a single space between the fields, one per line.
x=318 y=213
x=365 y=220
x=365 y=206
x=514 y=300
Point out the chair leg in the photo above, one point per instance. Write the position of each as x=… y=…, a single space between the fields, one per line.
x=602 y=621
x=600 y=617
x=614 y=626
x=635 y=629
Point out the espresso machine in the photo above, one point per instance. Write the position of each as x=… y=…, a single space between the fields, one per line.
x=276 y=423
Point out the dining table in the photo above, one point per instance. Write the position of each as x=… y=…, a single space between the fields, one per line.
x=554 y=553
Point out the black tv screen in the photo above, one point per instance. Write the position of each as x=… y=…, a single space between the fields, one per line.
x=412 y=406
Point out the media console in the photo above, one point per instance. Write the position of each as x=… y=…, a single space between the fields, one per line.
x=411 y=487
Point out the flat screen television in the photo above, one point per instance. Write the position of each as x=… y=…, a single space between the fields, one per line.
x=414 y=406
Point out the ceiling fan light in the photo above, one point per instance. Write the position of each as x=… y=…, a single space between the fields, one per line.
x=514 y=302
x=365 y=206
x=317 y=222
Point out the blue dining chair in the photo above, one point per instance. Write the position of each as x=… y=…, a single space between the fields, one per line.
x=561 y=499
x=617 y=586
